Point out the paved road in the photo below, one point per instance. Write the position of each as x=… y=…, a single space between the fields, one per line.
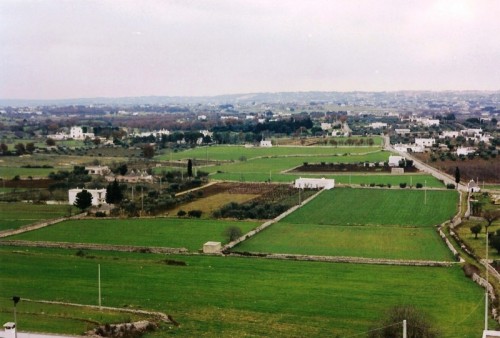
x=424 y=167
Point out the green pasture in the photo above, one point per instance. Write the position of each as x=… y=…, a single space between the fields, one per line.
x=353 y=241
x=278 y=164
x=403 y=207
x=234 y=153
x=15 y=215
x=9 y=173
x=159 y=232
x=236 y=297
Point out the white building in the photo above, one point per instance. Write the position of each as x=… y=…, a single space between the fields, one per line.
x=425 y=142
x=155 y=133
x=465 y=151
x=402 y=131
x=266 y=144
x=473 y=187
x=429 y=122
x=314 y=183
x=98 y=170
x=450 y=134
x=378 y=125
x=472 y=132
x=339 y=133
x=394 y=160
x=212 y=247
x=326 y=126
x=77 y=133
x=202 y=117
x=412 y=147
x=98 y=195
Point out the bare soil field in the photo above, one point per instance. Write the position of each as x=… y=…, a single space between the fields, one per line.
x=477 y=168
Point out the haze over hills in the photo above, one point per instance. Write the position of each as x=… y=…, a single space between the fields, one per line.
x=247 y=98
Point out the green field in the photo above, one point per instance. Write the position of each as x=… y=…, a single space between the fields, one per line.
x=236 y=297
x=234 y=153
x=15 y=215
x=346 y=206
x=353 y=241
x=160 y=232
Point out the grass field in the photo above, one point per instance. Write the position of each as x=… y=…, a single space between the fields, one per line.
x=478 y=245
x=354 y=241
x=236 y=297
x=346 y=206
x=15 y=215
x=161 y=232
x=228 y=153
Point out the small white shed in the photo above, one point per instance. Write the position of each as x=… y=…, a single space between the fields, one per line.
x=212 y=247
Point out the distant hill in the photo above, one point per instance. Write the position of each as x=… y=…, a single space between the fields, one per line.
x=280 y=97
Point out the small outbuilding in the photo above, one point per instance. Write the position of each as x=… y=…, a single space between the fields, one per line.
x=473 y=187
x=212 y=247
x=9 y=330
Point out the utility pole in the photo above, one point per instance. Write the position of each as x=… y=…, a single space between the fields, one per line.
x=16 y=300
x=99 y=282
x=486 y=286
x=142 y=199
x=404 y=328
x=425 y=192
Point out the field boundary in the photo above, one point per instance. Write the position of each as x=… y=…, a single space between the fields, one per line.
x=94 y=246
x=39 y=225
x=344 y=259
x=164 y=317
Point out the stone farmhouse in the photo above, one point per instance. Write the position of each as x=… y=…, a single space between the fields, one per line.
x=314 y=183
x=98 y=195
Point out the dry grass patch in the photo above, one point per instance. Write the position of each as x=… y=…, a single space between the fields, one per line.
x=211 y=203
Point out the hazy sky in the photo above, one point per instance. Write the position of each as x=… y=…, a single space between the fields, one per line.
x=75 y=48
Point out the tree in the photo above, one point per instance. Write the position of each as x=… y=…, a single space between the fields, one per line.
x=148 y=151
x=490 y=216
x=50 y=142
x=4 y=148
x=83 y=200
x=190 y=168
x=232 y=233
x=417 y=324
x=20 y=148
x=476 y=229
x=30 y=147
x=114 y=193
x=457 y=176
x=495 y=243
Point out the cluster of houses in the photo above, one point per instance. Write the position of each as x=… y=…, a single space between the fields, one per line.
x=75 y=133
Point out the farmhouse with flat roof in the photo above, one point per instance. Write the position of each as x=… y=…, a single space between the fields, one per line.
x=98 y=195
x=314 y=183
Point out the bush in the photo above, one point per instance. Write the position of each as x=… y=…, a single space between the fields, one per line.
x=419 y=185
x=181 y=213
x=389 y=185
x=450 y=186
x=195 y=213
x=372 y=185
x=100 y=214
x=402 y=185
x=232 y=233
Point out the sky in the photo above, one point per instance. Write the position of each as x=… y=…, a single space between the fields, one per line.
x=54 y=49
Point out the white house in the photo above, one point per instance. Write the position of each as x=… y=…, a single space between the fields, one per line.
x=98 y=195
x=425 y=142
x=378 y=125
x=98 y=170
x=394 y=160
x=314 y=183
x=326 y=126
x=413 y=148
x=430 y=122
x=77 y=133
x=450 y=134
x=402 y=131
x=465 y=151
x=473 y=187
x=266 y=144
x=339 y=133
x=472 y=132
